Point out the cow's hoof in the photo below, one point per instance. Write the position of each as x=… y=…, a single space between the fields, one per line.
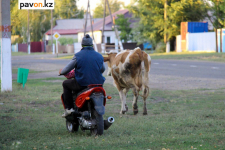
x=123 y=112
x=135 y=111
x=126 y=107
x=145 y=113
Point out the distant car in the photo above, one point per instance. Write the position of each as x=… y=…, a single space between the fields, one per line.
x=147 y=46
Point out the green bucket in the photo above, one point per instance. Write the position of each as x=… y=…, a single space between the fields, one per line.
x=22 y=75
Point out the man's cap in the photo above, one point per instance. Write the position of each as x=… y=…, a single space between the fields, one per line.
x=87 y=40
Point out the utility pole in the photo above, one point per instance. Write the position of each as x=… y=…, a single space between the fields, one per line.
x=165 y=18
x=5 y=40
x=103 y=28
x=115 y=28
x=85 y=26
x=93 y=37
x=216 y=40
x=28 y=33
x=165 y=28
x=217 y=27
x=221 y=30
x=53 y=52
x=221 y=40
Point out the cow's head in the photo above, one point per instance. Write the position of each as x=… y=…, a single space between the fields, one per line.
x=109 y=59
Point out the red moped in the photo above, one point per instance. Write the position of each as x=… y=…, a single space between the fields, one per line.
x=89 y=106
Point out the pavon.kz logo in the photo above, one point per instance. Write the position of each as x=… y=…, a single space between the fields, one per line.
x=36 y=4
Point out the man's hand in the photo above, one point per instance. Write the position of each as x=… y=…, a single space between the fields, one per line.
x=60 y=71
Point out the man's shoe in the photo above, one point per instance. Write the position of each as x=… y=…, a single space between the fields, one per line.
x=67 y=112
x=71 y=110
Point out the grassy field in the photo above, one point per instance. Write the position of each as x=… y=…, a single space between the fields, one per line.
x=30 y=118
x=14 y=71
x=23 y=53
x=218 y=57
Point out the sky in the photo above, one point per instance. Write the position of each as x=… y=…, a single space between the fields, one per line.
x=93 y=3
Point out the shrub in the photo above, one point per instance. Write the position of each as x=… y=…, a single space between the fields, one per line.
x=64 y=41
x=160 y=47
x=18 y=40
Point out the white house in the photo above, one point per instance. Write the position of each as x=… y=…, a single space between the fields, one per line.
x=68 y=28
x=109 y=33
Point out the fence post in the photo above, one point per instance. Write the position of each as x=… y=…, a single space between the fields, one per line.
x=116 y=45
x=53 y=48
x=28 y=48
x=16 y=47
x=103 y=47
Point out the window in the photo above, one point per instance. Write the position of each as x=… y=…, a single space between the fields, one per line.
x=108 y=39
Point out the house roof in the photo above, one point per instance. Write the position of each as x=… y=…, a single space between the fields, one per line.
x=74 y=26
x=98 y=25
x=63 y=31
x=69 y=26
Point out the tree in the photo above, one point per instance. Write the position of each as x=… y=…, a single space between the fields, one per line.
x=65 y=9
x=40 y=19
x=152 y=23
x=218 y=13
x=185 y=11
x=114 y=5
x=79 y=13
x=124 y=26
x=39 y=23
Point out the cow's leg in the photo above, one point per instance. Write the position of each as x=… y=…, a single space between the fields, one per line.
x=125 y=92
x=123 y=101
x=135 y=107
x=145 y=95
x=109 y=73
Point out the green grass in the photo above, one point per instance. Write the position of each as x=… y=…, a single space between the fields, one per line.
x=14 y=71
x=23 y=53
x=18 y=53
x=218 y=57
x=30 y=118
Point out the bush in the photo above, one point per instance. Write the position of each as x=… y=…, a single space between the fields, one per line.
x=160 y=47
x=50 y=42
x=18 y=40
x=64 y=41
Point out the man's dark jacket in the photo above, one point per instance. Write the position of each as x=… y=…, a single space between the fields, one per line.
x=89 y=66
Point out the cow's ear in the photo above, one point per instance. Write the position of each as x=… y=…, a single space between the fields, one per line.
x=106 y=59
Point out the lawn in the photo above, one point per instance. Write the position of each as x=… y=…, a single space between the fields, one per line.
x=23 y=53
x=30 y=118
x=200 y=56
x=14 y=71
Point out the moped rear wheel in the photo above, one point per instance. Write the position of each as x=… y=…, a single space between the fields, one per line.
x=71 y=126
x=99 y=128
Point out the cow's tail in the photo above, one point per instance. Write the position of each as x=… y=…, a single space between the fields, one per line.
x=145 y=92
x=139 y=52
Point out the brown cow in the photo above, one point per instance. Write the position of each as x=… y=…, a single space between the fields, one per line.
x=130 y=69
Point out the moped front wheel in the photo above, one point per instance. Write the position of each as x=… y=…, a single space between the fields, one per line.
x=99 y=128
x=72 y=126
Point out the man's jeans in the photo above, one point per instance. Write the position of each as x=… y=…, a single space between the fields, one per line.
x=69 y=86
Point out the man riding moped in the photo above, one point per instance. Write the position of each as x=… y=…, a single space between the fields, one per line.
x=89 y=66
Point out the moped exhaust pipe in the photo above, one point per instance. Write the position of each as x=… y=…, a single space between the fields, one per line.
x=108 y=122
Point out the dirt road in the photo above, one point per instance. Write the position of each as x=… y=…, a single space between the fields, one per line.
x=164 y=74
